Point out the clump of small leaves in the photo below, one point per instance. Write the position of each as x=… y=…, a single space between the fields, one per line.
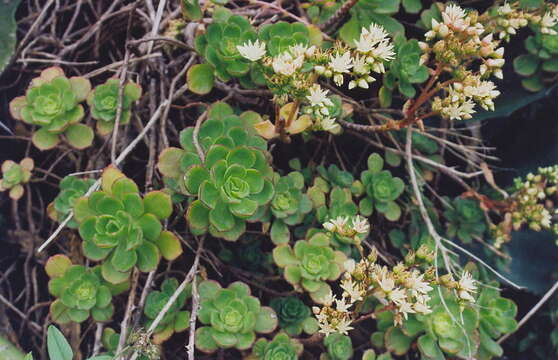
x=81 y=292
x=232 y=187
x=382 y=189
x=289 y=205
x=103 y=101
x=404 y=71
x=71 y=188
x=222 y=127
x=52 y=103
x=294 y=315
x=232 y=317
x=310 y=263
x=15 y=175
x=280 y=348
x=339 y=347
x=175 y=320
x=465 y=219
x=219 y=46
x=123 y=230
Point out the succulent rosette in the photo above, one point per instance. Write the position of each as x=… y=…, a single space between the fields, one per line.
x=175 y=320
x=465 y=219
x=280 y=348
x=71 y=189
x=124 y=230
x=339 y=347
x=232 y=317
x=310 y=263
x=294 y=316
x=14 y=175
x=103 y=101
x=81 y=292
x=52 y=103
x=232 y=187
x=382 y=189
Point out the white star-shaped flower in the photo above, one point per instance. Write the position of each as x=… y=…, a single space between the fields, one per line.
x=252 y=51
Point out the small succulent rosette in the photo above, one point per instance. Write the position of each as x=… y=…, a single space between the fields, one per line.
x=310 y=263
x=71 y=189
x=81 y=292
x=103 y=101
x=122 y=229
x=53 y=103
x=294 y=316
x=15 y=175
x=232 y=317
x=175 y=319
x=281 y=347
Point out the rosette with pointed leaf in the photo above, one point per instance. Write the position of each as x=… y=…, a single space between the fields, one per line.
x=289 y=205
x=81 y=292
x=222 y=127
x=175 y=319
x=232 y=186
x=218 y=45
x=382 y=189
x=294 y=315
x=232 y=317
x=339 y=347
x=71 y=188
x=14 y=175
x=465 y=219
x=52 y=103
x=310 y=263
x=282 y=347
x=103 y=101
x=122 y=229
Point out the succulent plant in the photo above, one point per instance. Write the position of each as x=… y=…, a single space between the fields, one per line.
x=335 y=176
x=124 y=230
x=382 y=189
x=541 y=60
x=219 y=46
x=280 y=36
x=404 y=71
x=81 y=292
x=294 y=316
x=280 y=348
x=247 y=254
x=52 y=102
x=310 y=263
x=289 y=205
x=175 y=320
x=465 y=219
x=232 y=315
x=103 y=101
x=221 y=127
x=71 y=188
x=231 y=187
x=339 y=347
x=14 y=175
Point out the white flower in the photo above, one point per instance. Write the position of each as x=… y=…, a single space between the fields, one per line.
x=505 y=9
x=360 y=224
x=370 y=37
x=405 y=308
x=422 y=308
x=386 y=283
x=341 y=305
x=417 y=284
x=318 y=96
x=548 y=21
x=454 y=16
x=397 y=295
x=467 y=282
x=286 y=64
x=343 y=326
x=352 y=291
x=384 y=51
x=252 y=51
x=360 y=66
x=341 y=63
x=302 y=50
x=337 y=224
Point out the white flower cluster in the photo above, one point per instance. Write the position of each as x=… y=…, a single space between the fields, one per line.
x=319 y=104
x=404 y=290
x=373 y=50
x=353 y=229
x=466 y=287
x=512 y=18
x=459 y=104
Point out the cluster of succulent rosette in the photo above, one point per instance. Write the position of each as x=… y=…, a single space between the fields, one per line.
x=53 y=103
x=319 y=219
